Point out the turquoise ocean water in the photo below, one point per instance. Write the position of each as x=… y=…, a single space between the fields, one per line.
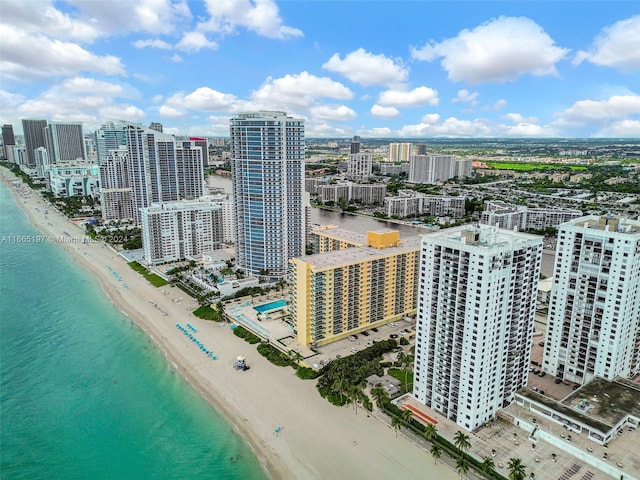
x=84 y=394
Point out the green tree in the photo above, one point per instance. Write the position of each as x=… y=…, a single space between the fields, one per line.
x=407 y=415
x=436 y=452
x=517 y=471
x=462 y=465
x=379 y=395
x=396 y=423
x=461 y=440
x=430 y=432
x=487 y=465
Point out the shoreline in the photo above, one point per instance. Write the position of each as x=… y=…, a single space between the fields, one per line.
x=318 y=440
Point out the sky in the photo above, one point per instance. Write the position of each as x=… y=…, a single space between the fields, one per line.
x=405 y=69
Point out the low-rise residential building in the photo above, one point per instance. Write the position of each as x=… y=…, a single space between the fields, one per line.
x=72 y=179
x=409 y=203
x=369 y=194
x=509 y=216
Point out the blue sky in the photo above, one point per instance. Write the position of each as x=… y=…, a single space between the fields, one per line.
x=414 y=69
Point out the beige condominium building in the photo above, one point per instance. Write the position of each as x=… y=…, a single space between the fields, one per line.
x=358 y=282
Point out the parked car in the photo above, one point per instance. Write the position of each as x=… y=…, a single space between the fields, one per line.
x=542 y=374
x=374 y=329
x=557 y=381
x=366 y=334
x=541 y=392
x=393 y=335
x=541 y=344
x=352 y=338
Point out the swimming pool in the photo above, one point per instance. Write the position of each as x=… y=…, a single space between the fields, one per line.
x=265 y=307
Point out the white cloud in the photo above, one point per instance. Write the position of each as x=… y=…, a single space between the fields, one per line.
x=597 y=111
x=333 y=113
x=622 y=128
x=194 y=41
x=121 y=112
x=413 y=98
x=451 y=127
x=76 y=99
x=79 y=85
x=171 y=112
x=27 y=56
x=384 y=112
x=375 y=132
x=153 y=16
x=465 y=96
x=312 y=129
x=430 y=118
x=176 y=58
x=40 y=16
x=497 y=51
x=207 y=99
x=259 y=16
x=518 y=119
x=499 y=105
x=202 y=99
x=298 y=92
x=617 y=46
x=153 y=43
x=367 y=69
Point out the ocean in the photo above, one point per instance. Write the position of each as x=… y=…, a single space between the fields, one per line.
x=85 y=394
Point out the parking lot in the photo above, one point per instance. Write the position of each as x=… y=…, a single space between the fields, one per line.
x=362 y=340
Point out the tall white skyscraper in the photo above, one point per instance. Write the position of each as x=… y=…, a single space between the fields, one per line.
x=359 y=165
x=267 y=171
x=161 y=169
x=65 y=142
x=476 y=308
x=115 y=190
x=174 y=231
x=593 y=328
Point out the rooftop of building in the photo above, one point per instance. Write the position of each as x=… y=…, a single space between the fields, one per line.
x=480 y=235
x=600 y=404
x=606 y=401
x=342 y=234
x=362 y=254
x=610 y=223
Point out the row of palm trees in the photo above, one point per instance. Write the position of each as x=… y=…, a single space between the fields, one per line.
x=462 y=442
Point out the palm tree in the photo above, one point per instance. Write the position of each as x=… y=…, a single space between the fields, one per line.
x=435 y=451
x=462 y=441
x=295 y=356
x=462 y=465
x=396 y=423
x=407 y=415
x=487 y=465
x=355 y=394
x=430 y=431
x=517 y=471
x=339 y=385
x=379 y=395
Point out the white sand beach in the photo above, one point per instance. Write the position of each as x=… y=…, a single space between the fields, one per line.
x=316 y=441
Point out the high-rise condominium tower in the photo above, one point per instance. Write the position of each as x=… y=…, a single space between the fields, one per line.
x=161 y=169
x=34 y=137
x=111 y=136
x=267 y=169
x=593 y=327
x=8 y=138
x=65 y=142
x=476 y=308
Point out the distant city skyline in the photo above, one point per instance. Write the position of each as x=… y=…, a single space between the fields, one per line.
x=453 y=69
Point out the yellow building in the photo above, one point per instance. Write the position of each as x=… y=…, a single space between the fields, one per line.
x=351 y=288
